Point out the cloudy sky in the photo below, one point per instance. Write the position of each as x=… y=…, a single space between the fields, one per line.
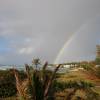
x=53 y=30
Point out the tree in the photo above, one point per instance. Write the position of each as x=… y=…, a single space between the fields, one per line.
x=36 y=62
x=37 y=85
x=97 y=61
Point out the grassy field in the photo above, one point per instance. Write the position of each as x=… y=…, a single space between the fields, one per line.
x=79 y=75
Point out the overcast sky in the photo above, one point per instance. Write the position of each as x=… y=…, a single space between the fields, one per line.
x=41 y=28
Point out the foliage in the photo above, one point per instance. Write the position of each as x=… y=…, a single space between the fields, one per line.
x=7 y=82
x=38 y=83
x=77 y=85
x=34 y=84
x=87 y=66
x=97 y=61
x=36 y=62
x=7 y=89
x=98 y=72
x=72 y=84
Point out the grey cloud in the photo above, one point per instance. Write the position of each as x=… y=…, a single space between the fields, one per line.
x=47 y=23
x=82 y=45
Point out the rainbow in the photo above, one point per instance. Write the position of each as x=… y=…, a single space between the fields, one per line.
x=68 y=43
x=62 y=50
x=70 y=39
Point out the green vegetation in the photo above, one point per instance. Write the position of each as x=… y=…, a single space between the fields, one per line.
x=7 y=83
x=37 y=85
x=34 y=84
x=76 y=86
x=7 y=89
x=98 y=72
x=97 y=61
x=36 y=62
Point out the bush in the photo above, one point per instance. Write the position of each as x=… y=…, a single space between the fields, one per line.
x=98 y=72
x=7 y=89
x=8 y=83
x=37 y=85
x=59 y=86
x=97 y=61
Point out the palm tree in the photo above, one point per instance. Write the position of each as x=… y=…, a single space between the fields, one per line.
x=36 y=62
x=37 y=85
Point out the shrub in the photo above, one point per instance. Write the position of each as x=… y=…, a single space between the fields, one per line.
x=97 y=61
x=7 y=89
x=98 y=72
x=7 y=82
x=37 y=85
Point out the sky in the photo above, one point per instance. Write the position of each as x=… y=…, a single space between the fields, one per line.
x=52 y=30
